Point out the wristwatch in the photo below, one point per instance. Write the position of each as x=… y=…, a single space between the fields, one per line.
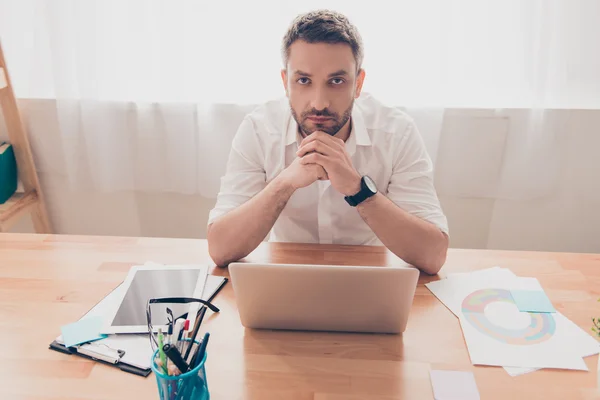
x=367 y=189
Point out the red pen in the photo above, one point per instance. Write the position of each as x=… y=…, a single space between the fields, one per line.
x=184 y=333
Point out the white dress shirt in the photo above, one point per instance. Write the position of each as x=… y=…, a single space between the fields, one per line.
x=384 y=143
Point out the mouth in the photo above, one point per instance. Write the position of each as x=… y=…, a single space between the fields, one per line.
x=319 y=120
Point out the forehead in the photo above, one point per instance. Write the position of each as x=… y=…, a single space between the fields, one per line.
x=320 y=58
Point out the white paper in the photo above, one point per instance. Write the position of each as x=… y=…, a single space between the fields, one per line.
x=556 y=352
x=516 y=371
x=451 y=292
x=487 y=271
x=560 y=350
x=454 y=385
x=107 y=303
x=102 y=307
x=212 y=284
x=496 y=271
x=138 y=350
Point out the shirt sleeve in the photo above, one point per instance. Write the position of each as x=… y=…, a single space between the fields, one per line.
x=411 y=185
x=245 y=173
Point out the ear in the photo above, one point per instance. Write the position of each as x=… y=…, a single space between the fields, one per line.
x=360 y=78
x=285 y=81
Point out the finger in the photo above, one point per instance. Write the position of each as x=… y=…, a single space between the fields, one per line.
x=317 y=146
x=320 y=135
x=324 y=137
x=322 y=174
x=315 y=158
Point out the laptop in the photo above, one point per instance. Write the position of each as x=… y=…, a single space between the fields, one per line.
x=324 y=297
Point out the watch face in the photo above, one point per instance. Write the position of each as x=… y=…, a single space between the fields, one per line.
x=370 y=184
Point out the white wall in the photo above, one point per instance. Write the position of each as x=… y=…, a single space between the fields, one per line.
x=565 y=218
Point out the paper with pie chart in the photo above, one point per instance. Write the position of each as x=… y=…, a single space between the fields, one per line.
x=502 y=273
x=497 y=333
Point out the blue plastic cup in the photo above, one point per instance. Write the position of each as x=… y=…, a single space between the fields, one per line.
x=189 y=386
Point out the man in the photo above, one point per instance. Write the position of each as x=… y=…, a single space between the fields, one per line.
x=324 y=169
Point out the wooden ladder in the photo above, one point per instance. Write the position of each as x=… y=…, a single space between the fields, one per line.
x=31 y=201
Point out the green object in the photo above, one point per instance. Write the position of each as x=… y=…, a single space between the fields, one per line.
x=8 y=172
x=163 y=356
x=83 y=331
x=596 y=326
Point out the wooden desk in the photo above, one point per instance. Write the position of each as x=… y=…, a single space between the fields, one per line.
x=47 y=281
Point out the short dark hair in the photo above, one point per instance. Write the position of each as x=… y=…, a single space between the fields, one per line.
x=323 y=26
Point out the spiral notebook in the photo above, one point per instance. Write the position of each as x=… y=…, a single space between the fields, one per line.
x=128 y=352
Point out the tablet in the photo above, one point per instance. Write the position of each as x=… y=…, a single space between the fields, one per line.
x=128 y=312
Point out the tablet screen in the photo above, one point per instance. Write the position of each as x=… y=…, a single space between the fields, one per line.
x=147 y=284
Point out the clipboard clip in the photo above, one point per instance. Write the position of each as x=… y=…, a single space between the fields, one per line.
x=101 y=352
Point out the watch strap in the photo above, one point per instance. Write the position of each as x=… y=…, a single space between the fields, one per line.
x=363 y=194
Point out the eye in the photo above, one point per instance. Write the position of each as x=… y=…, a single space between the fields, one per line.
x=303 y=81
x=337 y=81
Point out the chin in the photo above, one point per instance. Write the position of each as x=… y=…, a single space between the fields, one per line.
x=331 y=131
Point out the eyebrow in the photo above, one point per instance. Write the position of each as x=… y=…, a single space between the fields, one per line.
x=298 y=72
x=340 y=72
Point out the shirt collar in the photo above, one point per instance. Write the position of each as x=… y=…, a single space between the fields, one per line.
x=292 y=135
x=358 y=135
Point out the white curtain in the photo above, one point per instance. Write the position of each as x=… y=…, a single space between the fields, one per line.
x=148 y=94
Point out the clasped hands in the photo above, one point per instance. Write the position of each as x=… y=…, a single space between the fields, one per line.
x=326 y=156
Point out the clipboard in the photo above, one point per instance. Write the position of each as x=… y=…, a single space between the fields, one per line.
x=129 y=352
x=106 y=355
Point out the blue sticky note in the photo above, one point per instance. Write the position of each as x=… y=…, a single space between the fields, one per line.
x=534 y=301
x=82 y=331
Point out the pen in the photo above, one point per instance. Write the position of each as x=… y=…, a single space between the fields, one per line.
x=200 y=353
x=170 y=320
x=201 y=312
x=170 y=333
x=175 y=356
x=193 y=314
x=195 y=331
x=182 y=334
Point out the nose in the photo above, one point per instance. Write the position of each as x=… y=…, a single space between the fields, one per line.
x=320 y=101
